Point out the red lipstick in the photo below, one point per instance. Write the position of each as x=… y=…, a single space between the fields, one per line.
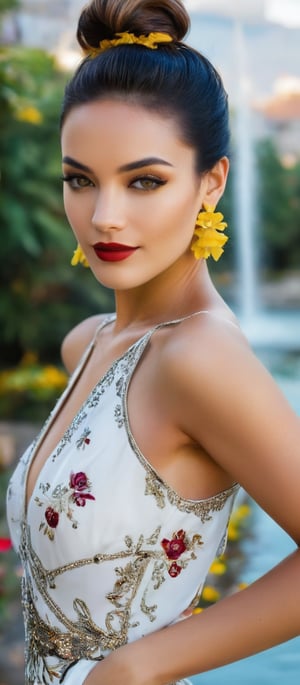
x=113 y=252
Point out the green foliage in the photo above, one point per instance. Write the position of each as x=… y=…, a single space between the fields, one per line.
x=8 y=5
x=279 y=210
x=9 y=582
x=42 y=296
x=277 y=215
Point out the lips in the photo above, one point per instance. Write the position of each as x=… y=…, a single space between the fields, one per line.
x=113 y=252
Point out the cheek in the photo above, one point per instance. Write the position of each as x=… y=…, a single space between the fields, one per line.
x=181 y=217
x=74 y=211
x=171 y=211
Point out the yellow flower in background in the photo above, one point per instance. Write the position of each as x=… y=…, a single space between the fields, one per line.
x=29 y=114
x=233 y=532
x=198 y=610
x=32 y=377
x=237 y=520
x=50 y=377
x=242 y=512
x=210 y=594
x=218 y=567
x=242 y=586
x=208 y=237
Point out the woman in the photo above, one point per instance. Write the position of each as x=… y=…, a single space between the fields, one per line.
x=119 y=512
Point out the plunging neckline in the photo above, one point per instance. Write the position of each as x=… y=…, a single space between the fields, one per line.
x=64 y=397
x=71 y=386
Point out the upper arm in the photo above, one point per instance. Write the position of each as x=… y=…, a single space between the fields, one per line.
x=229 y=403
x=77 y=340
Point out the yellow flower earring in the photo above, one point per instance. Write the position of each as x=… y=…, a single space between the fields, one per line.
x=208 y=239
x=79 y=257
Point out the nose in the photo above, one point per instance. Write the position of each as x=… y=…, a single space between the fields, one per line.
x=108 y=211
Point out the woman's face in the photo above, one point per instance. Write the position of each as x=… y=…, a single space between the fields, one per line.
x=131 y=192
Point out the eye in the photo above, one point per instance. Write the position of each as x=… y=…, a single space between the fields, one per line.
x=77 y=182
x=147 y=183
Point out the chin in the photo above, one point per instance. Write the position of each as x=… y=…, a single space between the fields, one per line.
x=118 y=281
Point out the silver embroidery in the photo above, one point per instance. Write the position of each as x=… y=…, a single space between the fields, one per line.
x=51 y=650
x=82 y=637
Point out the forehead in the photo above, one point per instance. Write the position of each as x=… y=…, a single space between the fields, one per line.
x=124 y=131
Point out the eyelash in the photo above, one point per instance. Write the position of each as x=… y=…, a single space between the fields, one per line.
x=153 y=179
x=71 y=178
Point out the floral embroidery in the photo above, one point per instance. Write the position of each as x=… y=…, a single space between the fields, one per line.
x=174 y=570
x=67 y=438
x=78 y=483
x=81 y=636
x=77 y=492
x=84 y=439
x=52 y=517
x=140 y=566
x=176 y=547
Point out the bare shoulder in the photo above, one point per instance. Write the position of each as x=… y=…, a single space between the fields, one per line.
x=77 y=340
x=225 y=400
x=203 y=344
x=199 y=360
x=208 y=361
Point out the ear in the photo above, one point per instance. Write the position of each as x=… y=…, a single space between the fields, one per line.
x=214 y=182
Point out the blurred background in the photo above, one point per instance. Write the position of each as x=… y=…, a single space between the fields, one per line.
x=255 y=46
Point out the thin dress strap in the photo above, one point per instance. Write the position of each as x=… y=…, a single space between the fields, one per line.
x=190 y=316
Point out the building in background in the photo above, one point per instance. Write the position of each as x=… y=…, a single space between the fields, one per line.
x=281 y=116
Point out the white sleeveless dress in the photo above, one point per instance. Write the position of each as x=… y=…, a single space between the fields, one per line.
x=110 y=551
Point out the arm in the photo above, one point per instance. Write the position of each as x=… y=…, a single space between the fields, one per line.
x=228 y=403
x=263 y=615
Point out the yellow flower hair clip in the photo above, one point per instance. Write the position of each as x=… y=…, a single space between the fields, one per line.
x=208 y=240
x=79 y=258
x=151 y=41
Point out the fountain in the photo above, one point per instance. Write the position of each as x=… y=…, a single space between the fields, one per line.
x=263 y=329
x=267 y=331
x=244 y=185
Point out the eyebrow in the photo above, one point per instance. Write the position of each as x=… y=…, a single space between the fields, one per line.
x=138 y=164
x=78 y=165
x=148 y=161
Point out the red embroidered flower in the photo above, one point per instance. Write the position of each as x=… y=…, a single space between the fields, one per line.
x=174 y=570
x=52 y=517
x=84 y=439
x=5 y=544
x=81 y=497
x=175 y=547
x=78 y=481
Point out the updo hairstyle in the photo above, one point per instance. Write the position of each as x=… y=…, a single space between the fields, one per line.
x=173 y=80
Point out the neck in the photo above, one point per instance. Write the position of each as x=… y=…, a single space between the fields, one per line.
x=168 y=297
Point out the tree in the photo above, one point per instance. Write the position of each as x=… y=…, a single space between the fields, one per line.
x=279 y=210
x=42 y=296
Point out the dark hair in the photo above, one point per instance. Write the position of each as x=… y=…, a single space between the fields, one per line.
x=174 y=79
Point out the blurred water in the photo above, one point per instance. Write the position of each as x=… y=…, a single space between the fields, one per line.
x=271 y=331
x=280 y=665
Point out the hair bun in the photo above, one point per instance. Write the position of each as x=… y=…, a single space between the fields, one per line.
x=104 y=18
